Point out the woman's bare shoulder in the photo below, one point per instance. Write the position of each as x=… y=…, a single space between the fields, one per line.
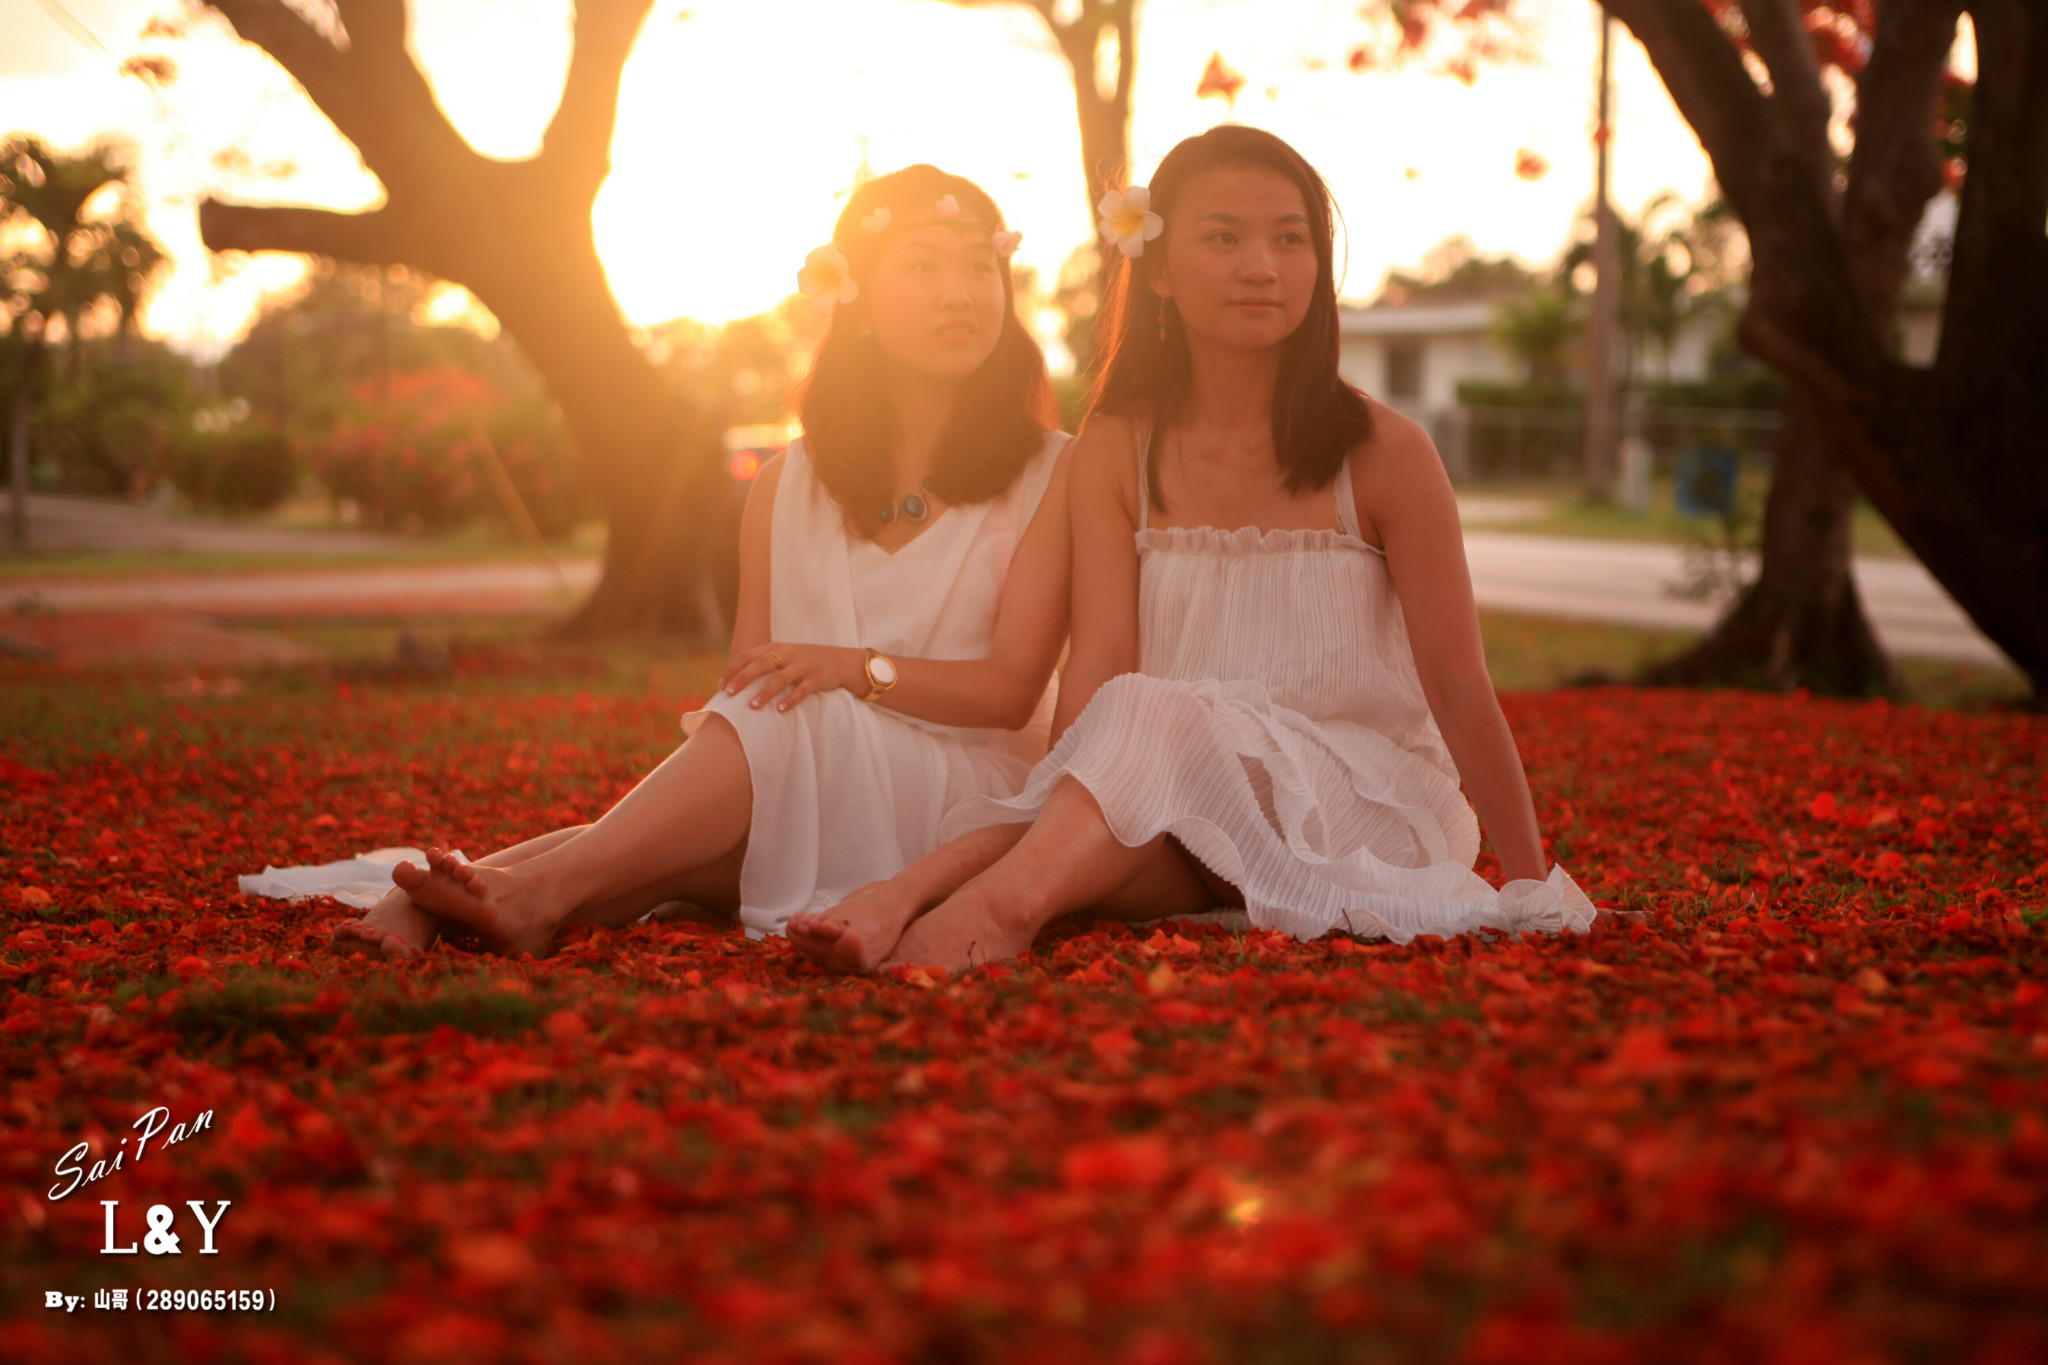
x=1105 y=453
x=1396 y=437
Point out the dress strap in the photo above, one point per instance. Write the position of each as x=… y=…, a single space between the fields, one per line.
x=1347 y=507
x=1145 y=480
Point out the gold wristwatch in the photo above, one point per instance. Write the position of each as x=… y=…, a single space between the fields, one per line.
x=881 y=674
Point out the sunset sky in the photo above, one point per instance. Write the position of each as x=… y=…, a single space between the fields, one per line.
x=741 y=126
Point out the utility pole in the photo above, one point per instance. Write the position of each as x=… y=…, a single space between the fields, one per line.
x=1600 y=368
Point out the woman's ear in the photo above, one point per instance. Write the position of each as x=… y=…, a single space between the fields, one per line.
x=1156 y=281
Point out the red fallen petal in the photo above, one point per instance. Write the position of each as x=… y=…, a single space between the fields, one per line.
x=1143 y=1161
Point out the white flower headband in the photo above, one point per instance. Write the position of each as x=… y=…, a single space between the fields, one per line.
x=1127 y=221
x=827 y=279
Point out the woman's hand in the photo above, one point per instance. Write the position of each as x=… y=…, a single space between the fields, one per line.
x=798 y=671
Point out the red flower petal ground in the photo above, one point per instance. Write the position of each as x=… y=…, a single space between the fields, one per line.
x=1804 y=1117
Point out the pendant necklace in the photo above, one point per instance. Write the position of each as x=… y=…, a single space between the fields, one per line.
x=915 y=506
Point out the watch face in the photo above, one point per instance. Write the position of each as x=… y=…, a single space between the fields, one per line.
x=883 y=669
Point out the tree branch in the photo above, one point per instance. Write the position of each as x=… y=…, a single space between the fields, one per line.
x=1896 y=167
x=2000 y=267
x=379 y=237
x=577 y=148
x=1798 y=100
x=1125 y=14
x=292 y=43
x=372 y=93
x=1802 y=292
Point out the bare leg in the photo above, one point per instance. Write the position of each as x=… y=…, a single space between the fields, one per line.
x=713 y=889
x=857 y=934
x=398 y=928
x=692 y=810
x=1067 y=861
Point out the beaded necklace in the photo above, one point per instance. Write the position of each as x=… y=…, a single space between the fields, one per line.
x=916 y=506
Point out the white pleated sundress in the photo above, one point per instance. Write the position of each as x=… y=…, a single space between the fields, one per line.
x=1278 y=730
x=846 y=791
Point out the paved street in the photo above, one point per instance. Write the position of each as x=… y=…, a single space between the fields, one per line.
x=1590 y=580
x=1626 y=582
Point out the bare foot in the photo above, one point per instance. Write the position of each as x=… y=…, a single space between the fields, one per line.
x=972 y=929
x=858 y=934
x=497 y=902
x=395 y=927
x=1604 y=918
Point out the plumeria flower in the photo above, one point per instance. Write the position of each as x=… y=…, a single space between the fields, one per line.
x=1005 y=241
x=948 y=207
x=1127 y=219
x=875 y=221
x=827 y=279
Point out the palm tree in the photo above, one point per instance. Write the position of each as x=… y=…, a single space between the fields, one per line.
x=1539 y=329
x=69 y=261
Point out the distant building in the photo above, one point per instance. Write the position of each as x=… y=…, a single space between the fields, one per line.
x=1413 y=357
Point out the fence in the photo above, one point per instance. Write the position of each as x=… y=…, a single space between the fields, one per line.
x=1481 y=444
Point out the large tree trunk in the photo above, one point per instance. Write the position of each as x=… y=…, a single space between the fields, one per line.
x=517 y=235
x=1801 y=623
x=1951 y=456
x=1104 y=115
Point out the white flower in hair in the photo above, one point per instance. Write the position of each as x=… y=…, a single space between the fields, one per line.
x=827 y=279
x=947 y=207
x=876 y=221
x=1127 y=220
x=1005 y=241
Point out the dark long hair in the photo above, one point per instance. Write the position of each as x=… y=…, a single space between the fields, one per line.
x=1004 y=409
x=1317 y=416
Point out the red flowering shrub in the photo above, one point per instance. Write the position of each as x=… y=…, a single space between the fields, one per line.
x=1802 y=1118
x=419 y=458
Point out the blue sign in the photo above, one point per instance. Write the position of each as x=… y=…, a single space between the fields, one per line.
x=1706 y=481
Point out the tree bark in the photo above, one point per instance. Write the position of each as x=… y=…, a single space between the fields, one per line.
x=1801 y=623
x=1105 y=118
x=517 y=235
x=1950 y=456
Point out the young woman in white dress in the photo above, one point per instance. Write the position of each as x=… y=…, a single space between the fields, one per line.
x=1274 y=634
x=903 y=600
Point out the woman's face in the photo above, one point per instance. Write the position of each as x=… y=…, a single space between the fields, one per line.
x=935 y=300
x=1240 y=263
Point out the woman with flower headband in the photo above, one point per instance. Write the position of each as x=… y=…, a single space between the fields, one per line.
x=1277 y=648
x=903 y=599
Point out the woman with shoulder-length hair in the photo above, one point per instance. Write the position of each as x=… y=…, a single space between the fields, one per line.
x=903 y=599
x=1274 y=635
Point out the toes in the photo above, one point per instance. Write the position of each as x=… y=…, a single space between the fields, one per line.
x=396 y=948
x=408 y=875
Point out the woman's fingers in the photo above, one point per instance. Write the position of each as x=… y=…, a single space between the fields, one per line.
x=802 y=687
x=762 y=663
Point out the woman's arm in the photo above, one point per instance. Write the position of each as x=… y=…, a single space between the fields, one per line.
x=757 y=521
x=1104 y=499
x=1405 y=498
x=1000 y=690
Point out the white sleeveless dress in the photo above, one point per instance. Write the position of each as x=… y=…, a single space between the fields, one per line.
x=1278 y=730
x=846 y=791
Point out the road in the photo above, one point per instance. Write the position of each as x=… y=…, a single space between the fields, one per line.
x=1589 y=580
x=1627 y=583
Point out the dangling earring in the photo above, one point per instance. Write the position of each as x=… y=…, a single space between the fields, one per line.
x=1162 y=319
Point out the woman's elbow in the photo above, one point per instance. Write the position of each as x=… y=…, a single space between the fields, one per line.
x=1459 y=691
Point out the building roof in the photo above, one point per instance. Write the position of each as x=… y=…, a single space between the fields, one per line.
x=1417 y=319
